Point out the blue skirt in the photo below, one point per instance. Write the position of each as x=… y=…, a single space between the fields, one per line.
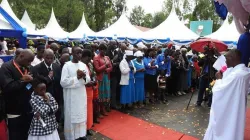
x=139 y=89
x=128 y=93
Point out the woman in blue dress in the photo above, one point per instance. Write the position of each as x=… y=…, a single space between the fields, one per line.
x=139 y=78
x=127 y=80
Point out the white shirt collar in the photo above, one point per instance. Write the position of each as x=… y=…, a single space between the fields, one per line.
x=48 y=66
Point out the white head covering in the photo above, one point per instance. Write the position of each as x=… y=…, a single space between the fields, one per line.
x=138 y=54
x=128 y=53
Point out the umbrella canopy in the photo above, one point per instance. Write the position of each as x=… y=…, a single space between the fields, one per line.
x=201 y=43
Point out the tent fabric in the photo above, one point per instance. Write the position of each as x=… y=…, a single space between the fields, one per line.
x=171 y=28
x=29 y=31
x=83 y=30
x=226 y=33
x=121 y=28
x=13 y=28
x=27 y=21
x=53 y=29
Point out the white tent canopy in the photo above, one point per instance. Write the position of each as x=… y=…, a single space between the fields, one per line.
x=5 y=5
x=53 y=29
x=121 y=28
x=4 y=24
x=82 y=31
x=226 y=32
x=171 y=28
x=27 y=21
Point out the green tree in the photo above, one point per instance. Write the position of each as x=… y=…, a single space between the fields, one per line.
x=204 y=10
x=158 y=18
x=119 y=6
x=101 y=10
x=147 y=21
x=137 y=15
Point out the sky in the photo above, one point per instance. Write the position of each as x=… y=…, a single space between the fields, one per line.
x=150 y=6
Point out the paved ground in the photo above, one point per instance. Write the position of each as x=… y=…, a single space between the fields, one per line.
x=174 y=115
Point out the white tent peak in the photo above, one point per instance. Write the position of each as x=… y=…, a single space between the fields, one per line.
x=27 y=21
x=173 y=7
x=227 y=32
x=6 y=6
x=171 y=28
x=121 y=28
x=53 y=29
x=82 y=30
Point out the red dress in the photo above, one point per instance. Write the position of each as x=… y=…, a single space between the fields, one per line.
x=90 y=93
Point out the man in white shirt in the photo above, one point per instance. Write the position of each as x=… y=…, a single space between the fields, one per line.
x=39 y=57
x=228 y=110
x=74 y=77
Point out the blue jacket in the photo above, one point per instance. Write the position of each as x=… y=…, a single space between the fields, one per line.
x=162 y=65
x=147 y=65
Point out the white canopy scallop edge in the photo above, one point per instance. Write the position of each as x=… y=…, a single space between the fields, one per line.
x=121 y=28
x=6 y=6
x=27 y=21
x=53 y=29
x=227 y=32
x=171 y=28
x=82 y=30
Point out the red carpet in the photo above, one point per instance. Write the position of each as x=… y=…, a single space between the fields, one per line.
x=120 y=126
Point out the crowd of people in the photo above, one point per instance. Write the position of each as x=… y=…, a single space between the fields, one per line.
x=77 y=86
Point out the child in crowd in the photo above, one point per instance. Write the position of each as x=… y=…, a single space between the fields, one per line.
x=44 y=125
x=161 y=80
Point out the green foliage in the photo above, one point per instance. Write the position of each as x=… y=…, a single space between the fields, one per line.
x=147 y=21
x=99 y=14
x=204 y=10
x=137 y=16
x=158 y=18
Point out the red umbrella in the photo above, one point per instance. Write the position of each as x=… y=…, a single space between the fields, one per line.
x=201 y=43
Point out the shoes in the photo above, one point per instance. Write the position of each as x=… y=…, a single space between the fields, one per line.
x=96 y=121
x=90 y=133
x=179 y=93
x=83 y=138
x=184 y=93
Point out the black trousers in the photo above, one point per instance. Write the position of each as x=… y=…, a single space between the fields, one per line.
x=204 y=83
x=19 y=127
x=114 y=86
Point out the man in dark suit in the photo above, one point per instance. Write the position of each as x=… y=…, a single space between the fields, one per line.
x=50 y=73
x=15 y=82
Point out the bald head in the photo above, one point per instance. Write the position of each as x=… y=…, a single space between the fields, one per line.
x=18 y=51
x=233 y=58
x=48 y=56
x=25 y=57
x=54 y=47
x=64 y=58
x=123 y=47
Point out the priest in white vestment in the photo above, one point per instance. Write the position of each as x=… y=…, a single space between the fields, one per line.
x=74 y=77
x=228 y=110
